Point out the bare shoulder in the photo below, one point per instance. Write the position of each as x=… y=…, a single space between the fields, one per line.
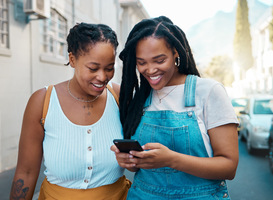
x=31 y=127
x=37 y=98
x=35 y=103
x=116 y=88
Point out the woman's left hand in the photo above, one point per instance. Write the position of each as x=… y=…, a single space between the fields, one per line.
x=155 y=156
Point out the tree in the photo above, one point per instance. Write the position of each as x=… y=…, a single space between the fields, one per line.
x=242 y=47
x=270 y=27
x=220 y=69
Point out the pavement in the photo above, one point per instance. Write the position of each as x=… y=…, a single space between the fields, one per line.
x=6 y=178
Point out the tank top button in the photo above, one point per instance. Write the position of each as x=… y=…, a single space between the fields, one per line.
x=89 y=131
x=89 y=168
x=86 y=181
x=225 y=195
x=89 y=148
x=223 y=183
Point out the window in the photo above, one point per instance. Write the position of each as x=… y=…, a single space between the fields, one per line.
x=263 y=107
x=4 y=24
x=54 y=32
x=239 y=102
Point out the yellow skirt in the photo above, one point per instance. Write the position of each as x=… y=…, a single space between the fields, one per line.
x=114 y=191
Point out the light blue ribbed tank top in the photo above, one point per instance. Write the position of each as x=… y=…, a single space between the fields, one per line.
x=78 y=156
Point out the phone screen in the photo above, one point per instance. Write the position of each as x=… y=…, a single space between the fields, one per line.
x=126 y=145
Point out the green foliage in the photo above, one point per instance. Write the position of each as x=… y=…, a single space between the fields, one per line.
x=242 y=47
x=270 y=27
x=220 y=69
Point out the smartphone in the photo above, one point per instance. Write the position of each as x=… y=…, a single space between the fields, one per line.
x=126 y=145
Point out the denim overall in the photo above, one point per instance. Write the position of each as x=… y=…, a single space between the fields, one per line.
x=179 y=131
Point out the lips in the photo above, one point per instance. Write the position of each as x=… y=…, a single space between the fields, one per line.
x=155 y=79
x=98 y=87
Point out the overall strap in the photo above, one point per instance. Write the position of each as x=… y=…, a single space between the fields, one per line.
x=46 y=104
x=148 y=100
x=189 y=90
x=113 y=93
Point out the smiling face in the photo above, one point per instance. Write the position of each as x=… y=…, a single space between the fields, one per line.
x=156 y=62
x=94 y=68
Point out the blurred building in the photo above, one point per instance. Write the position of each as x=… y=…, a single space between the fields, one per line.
x=33 y=52
x=263 y=55
x=259 y=78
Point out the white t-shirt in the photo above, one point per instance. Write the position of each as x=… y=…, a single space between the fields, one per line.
x=212 y=105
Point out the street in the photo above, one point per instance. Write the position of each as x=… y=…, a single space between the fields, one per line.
x=253 y=180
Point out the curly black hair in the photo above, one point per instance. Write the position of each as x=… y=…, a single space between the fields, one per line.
x=82 y=35
x=134 y=92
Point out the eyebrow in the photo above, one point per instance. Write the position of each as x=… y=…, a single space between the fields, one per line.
x=161 y=55
x=94 y=63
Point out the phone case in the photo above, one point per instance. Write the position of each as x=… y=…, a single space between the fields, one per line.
x=126 y=145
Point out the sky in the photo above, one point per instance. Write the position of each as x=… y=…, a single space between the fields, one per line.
x=186 y=13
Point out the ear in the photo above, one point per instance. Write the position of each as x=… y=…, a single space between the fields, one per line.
x=175 y=53
x=72 y=59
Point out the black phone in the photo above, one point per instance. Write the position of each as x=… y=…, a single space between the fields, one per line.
x=126 y=145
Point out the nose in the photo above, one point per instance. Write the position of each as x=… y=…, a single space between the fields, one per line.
x=151 y=69
x=101 y=76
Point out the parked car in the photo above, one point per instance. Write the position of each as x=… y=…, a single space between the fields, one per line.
x=256 y=121
x=270 y=144
x=239 y=104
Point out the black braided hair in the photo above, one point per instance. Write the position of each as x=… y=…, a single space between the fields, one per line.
x=82 y=35
x=135 y=89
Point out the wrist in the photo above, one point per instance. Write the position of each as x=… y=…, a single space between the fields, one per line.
x=132 y=169
x=172 y=160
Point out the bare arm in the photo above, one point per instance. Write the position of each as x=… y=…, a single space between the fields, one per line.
x=30 y=149
x=222 y=165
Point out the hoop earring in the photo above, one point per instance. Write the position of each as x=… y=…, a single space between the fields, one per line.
x=177 y=62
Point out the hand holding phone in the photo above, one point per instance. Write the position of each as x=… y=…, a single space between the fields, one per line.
x=127 y=145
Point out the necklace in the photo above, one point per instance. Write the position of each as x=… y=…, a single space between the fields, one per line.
x=78 y=99
x=160 y=99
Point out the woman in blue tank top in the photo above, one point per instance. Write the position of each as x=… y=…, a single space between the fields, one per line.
x=81 y=122
x=185 y=124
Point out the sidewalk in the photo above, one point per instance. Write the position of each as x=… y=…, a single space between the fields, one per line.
x=6 y=178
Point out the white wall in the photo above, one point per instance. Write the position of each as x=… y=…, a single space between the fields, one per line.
x=25 y=68
x=14 y=89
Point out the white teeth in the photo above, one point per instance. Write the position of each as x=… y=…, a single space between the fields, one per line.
x=98 y=85
x=155 y=77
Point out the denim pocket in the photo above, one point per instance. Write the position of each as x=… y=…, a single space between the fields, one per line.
x=175 y=138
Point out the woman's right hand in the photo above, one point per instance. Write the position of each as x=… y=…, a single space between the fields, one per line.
x=125 y=159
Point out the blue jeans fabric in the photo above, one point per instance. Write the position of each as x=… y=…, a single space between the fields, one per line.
x=179 y=132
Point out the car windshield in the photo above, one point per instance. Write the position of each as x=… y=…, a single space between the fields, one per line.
x=239 y=102
x=263 y=107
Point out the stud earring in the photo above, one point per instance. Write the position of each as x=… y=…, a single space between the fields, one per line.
x=177 y=61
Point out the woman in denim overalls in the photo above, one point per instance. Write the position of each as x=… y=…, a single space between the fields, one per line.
x=186 y=124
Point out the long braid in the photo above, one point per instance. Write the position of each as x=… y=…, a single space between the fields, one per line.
x=135 y=89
